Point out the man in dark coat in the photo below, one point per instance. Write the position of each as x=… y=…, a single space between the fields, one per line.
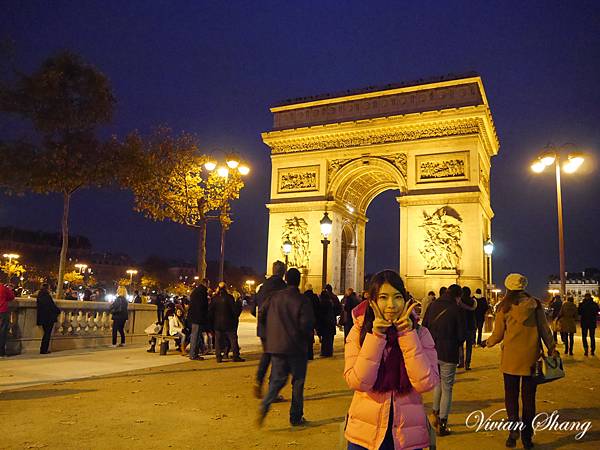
x=47 y=313
x=288 y=320
x=314 y=301
x=326 y=326
x=446 y=325
x=588 y=310
x=197 y=317
x=351 y=301
x=468 y=305
x=556 y=306
x=223 y=313
x=480 y=313
x=271 y=285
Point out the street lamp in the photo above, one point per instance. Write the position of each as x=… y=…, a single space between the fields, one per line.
x=550 y=156
x=131 y=273
x=326 y=225
x=232 y=162
x=488 y=249
x=81 y=267
x=287 y=249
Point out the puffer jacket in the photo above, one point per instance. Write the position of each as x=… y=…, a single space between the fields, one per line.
x=368 y=416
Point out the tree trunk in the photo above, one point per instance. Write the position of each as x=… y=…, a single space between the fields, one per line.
x=202 y=248
x=64 y=247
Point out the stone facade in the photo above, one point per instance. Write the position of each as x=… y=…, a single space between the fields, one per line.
x=431 y=143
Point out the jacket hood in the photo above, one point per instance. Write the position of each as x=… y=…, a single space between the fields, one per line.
x=525 y=307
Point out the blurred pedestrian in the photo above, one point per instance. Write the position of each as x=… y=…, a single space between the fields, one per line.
x=520 y=325
x=7 y=295
x=556 y=305
x=468 y=305
x=588 y=310
x=389 y=362
x=351 y=301
x=118 y=309
x=314 y=302
x=326 y=324
x=223 y=313
x=47 y=313
x=567 y=318
x=480 y=313
x=288 y=320
x=271 y=285
x=197 y=317
x=426 y=302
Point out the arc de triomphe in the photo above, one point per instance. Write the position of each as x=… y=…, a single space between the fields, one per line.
x=431 y=142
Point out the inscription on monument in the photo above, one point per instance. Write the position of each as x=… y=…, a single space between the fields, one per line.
x=298 y=179
x=445 y=167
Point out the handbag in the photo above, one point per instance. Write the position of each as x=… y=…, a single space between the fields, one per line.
x=153 y=328
x=547 y=368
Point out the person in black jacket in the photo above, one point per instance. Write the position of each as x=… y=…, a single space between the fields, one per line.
x=480 y=313
x=288 y=320
x=314 y=301
x=197 y=317
x=588 y=310
x=446 y=324
x=350 y=302
x=468 y=305
x=47 y=313
x=118 y=309
x=556 y=306
x=326 y=324
x=271 y=285
x=223 y=313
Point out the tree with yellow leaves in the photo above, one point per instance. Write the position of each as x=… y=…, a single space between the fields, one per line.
x=73 y=277
x=169 y=181
x=12 y=268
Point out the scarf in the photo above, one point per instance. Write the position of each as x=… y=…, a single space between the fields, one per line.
x=392 y=373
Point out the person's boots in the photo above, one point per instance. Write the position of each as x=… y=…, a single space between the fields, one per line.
x=434 y=419
x=511 y=441
x=443 y=429
x=152 y=349
x=526 y=440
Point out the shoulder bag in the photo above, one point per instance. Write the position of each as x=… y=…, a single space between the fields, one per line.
x=547 y=368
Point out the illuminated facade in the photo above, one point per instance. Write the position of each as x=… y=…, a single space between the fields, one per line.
x=431 y=142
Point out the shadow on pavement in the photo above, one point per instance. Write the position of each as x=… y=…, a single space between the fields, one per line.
x=311 y=424
x=330 y=394
x=568 y=440
x=41 y=393
x=468 y=406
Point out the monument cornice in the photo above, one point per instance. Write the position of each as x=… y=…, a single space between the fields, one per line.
x=476 y=121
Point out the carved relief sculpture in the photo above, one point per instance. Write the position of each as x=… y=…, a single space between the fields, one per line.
x=298 y=179
x=296 y=230
x=445 y=167
x=442 y=250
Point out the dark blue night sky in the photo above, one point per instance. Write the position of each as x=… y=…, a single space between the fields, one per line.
x=213 y=68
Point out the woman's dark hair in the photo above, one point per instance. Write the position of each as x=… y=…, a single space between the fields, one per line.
x=378 y=280
x=466 y=292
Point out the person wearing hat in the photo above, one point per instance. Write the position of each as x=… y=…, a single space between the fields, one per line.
x=520 y=324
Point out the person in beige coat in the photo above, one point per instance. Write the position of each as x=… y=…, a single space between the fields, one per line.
x=567 y=318
x=520 y=325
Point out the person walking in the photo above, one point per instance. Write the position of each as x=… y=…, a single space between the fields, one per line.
x=7 y=295
x=480 y=313
x=351 y=301
x=447 y=327
x=588 y=310
x=271 y=285
x=47 y=313
x=314 y=301
x=567 y=321
x=389 y=362
x=137 y=298
x=223 y=313
x=118 y=309
x=556 y=305
x=327 y=324
x=520 y=325
x=197 y=317
x=288 y=320
x=468 y=306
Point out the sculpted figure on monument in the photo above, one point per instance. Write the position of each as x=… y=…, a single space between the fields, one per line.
x=296 y=230
x=442 y=250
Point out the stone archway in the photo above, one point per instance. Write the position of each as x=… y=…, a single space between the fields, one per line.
x=431 y=142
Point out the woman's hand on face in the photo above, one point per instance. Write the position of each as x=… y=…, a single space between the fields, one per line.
x=404 y=322
x=380 y=324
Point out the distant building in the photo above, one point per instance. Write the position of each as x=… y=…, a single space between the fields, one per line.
x=578 y=284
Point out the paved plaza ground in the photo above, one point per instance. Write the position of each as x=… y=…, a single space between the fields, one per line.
x=183 y=404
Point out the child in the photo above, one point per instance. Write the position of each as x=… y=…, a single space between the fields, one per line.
x=390 y=361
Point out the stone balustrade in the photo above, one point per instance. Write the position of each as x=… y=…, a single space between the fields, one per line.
x=79 y=325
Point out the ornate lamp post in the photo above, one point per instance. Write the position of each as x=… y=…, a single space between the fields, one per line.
x=232 y=162
x=551 y=156
x=488 y=249
x=287 y=249
x=131 y=273
x=80 y=267
x=326 y=225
